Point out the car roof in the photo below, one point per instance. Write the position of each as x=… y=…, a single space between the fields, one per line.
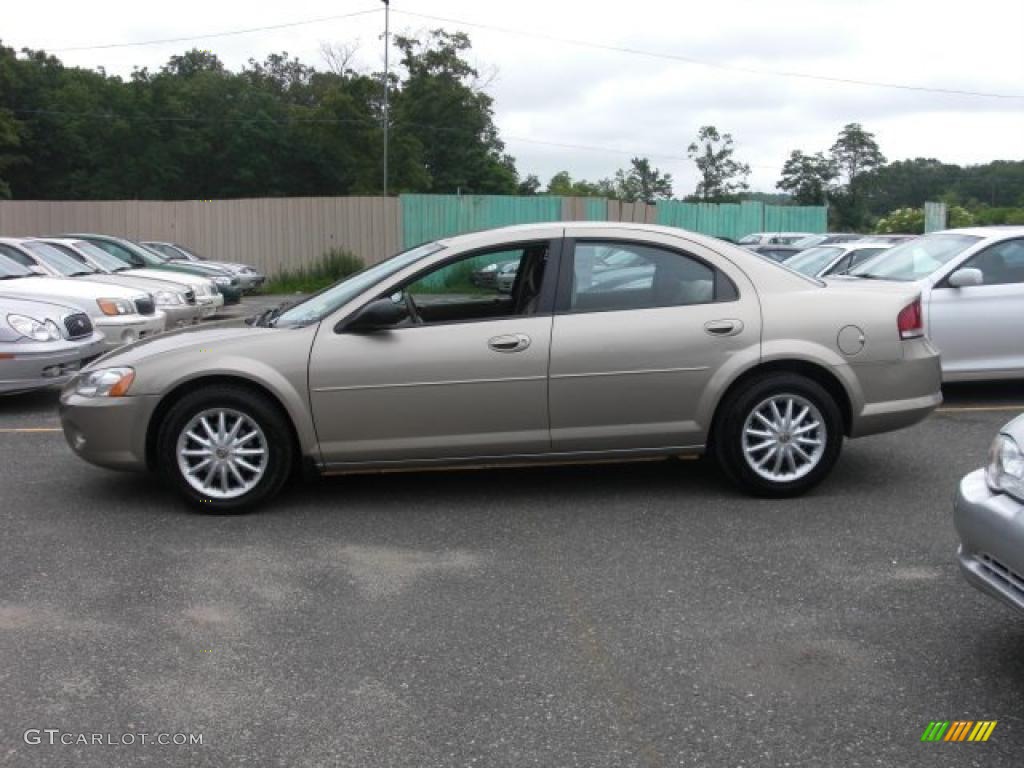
x=570 y=227
x=1001 y=230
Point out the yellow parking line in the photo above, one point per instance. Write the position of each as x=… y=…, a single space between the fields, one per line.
x=11 y=430
x=994 y=408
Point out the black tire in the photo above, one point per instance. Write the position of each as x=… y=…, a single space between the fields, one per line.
x=261 y=410
x=733 y=413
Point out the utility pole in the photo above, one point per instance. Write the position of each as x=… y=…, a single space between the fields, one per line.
x=387 y=34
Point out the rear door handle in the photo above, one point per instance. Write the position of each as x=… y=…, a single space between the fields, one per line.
x=513 y=342
x=723 y=327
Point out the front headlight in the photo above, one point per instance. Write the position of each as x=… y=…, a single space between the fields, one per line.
x=45 y=330
x=1005 y=470
x=106 y=382
x=167 y=298
x=222 y=280
x=115 y=306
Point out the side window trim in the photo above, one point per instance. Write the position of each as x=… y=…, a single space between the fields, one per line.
x=966 y=263
x=563 y=294
x=547 y=290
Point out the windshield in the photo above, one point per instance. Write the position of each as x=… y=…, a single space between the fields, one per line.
x=58 y=260
x=10 y=269
x=810 y=241
x=321 y=304
x=916 y=258
x=100 y=257
x=813 y=260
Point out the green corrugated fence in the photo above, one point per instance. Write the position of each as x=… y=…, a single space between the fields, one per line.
x=429 y=217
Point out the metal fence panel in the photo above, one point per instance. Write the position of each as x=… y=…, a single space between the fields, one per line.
x=934 y=217
x=795 y=218
x=429 y=217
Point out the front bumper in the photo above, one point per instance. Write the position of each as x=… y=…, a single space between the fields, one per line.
x=209 y=305
x=991 y=528
x=181 y=315
x=42 y=364
x=121 y=330
x=251 y=282
x=107 y=431
x=232 y=293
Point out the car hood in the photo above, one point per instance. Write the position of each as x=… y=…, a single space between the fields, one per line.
x=128 y=280
x=63 y=287
x=35 y=308
x=196 y=269
x=193 y=339
x=166 y=275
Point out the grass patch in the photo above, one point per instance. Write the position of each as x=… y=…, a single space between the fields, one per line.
x=333 y=265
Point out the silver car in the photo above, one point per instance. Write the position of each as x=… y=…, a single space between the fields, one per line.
x=972 y=286
x=207 y=297
x=837 y=259
x=989 y=516
x=176 y=302
x=122 y=314
x=42 y=344
x=249 y=277
x=716 y=350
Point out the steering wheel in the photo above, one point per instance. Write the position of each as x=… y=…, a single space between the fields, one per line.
x=414 y=314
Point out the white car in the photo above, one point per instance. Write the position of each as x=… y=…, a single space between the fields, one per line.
x=208 y=298
x=122 y=315
x=772 y=238
x=176 y=301
x=834 y=259
x=972 y=290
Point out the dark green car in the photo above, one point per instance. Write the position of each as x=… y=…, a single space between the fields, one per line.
x=136 y=255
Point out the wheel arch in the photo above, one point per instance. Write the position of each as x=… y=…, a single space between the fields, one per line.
x=188 y=386
x=816 y=372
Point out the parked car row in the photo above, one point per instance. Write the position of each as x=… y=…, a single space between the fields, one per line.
x=66 y=300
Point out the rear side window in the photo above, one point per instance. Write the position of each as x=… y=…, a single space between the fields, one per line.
x=609 y=276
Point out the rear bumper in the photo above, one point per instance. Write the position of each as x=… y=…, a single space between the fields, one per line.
x=42 y=364
x=124 y=330
x=898 y=394
x=991 y=528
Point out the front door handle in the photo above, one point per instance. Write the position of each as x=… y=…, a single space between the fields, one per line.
x=513 y=342
x=723 y=327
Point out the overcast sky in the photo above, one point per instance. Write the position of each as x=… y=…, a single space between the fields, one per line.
x=619 y=104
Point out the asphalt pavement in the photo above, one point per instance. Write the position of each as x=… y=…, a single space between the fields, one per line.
x=639 y=614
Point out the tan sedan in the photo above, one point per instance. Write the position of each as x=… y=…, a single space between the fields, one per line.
x=700 y=346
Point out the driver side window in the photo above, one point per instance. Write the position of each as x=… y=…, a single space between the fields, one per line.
x=484 y=285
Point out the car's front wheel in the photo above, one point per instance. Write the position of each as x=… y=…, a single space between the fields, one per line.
x=225 y=448
x=778 y=436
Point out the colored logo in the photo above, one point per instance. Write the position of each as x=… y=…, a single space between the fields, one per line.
x=959 y=730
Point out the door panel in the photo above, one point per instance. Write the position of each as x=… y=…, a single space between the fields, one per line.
x=426 y=392
x=633 y=350
x=978 y=328
x=633 y=379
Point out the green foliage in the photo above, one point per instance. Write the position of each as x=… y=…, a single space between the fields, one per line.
x=195 y=130
x=910 y=221
x=808 y=177
x=332 y=266
x=987 y=216
x=639 y=182
x=721 y=176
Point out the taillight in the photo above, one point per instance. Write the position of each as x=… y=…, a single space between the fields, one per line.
x=910 y=321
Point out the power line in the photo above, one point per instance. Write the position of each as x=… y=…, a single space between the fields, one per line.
x=711 y=64
x=228 y=33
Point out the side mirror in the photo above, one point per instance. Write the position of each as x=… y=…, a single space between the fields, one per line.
x=965 y=277
x=379 y=315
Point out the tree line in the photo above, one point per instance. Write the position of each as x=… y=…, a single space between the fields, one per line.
x=195 y=130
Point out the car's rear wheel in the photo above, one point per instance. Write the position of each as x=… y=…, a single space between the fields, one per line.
x=225 y=448
x=778 y=436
